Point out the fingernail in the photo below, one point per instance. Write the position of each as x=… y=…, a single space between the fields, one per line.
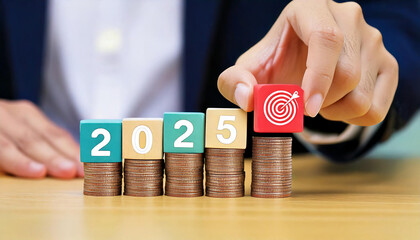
x=63 y=168
x=36 y=167
x=313 y=105
x=241 y=95
x=65 y=165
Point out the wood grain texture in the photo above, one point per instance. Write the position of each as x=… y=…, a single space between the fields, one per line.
x=370 y=199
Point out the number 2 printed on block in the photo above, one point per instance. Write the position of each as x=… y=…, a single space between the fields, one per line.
x=100 y=140
x=97 y=150
x=183 y=132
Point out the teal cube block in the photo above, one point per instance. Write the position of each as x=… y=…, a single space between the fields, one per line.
x=100 y=140
x=183 y=132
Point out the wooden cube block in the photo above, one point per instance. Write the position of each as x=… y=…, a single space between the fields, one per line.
x=183 y=132
x=100 y=140
x=278 y=108
x=142 y=138
x=226 y=128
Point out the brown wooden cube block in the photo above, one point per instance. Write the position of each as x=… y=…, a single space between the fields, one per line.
x=226 y=128
x=142 y=138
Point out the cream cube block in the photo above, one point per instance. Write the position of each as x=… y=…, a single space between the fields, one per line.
x=226 y=128
x=142 y=138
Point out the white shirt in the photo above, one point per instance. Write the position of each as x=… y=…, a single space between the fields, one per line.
x=118 y=59
x=112 y=59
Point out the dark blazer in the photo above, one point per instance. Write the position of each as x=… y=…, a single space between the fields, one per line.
x=215 y=33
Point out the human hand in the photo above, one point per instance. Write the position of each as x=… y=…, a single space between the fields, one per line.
x=32 y=146
x=327 y=48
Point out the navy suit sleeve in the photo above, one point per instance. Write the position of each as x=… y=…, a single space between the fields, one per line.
x=6 y=86
x=399 y=23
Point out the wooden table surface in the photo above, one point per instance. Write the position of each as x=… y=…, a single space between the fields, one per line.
x=370 y=199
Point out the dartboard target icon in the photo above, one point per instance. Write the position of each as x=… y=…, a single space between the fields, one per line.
x=278 y=108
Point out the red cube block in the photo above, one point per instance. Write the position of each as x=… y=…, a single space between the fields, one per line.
x=278 y=108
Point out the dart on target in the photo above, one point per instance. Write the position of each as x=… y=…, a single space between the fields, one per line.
x=278 y=108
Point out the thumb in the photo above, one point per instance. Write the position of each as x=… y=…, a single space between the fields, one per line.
x=237 y=85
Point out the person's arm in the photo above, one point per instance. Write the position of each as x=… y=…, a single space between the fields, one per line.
x=339 y=59
x=30 y=144
x=399 y=23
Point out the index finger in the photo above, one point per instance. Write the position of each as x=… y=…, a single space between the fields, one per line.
x=317 y=28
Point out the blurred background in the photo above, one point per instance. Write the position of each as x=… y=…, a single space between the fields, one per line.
x=405 y=143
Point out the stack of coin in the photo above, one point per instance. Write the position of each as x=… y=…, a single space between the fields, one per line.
x=184 y=174
x=103 y=179
x=225 y=172
x=271 y=167
x=143 y=178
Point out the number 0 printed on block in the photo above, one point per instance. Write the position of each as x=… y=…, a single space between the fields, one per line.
x=183 y=132
x=100 y=140
x=226 y=128
x=142 y=138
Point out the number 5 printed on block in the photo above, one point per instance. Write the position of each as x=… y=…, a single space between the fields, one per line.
x=226 y=128
x=222 y=125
